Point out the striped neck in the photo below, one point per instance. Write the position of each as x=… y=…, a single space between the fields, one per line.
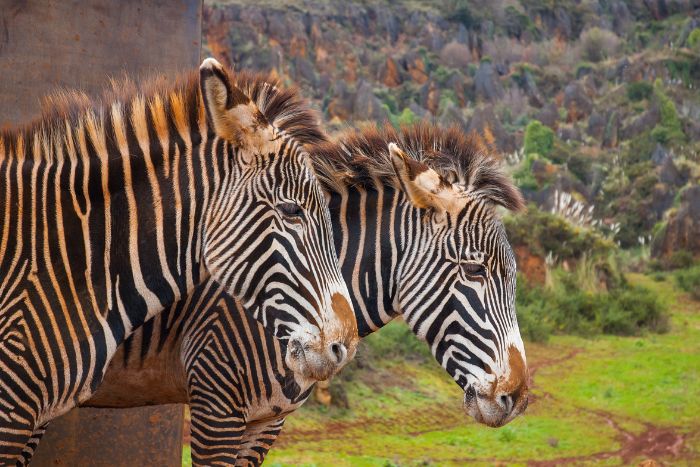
x=128 y=203
x=370 y=233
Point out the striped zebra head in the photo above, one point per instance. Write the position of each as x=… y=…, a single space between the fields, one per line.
x=456 y=284
x=268 y=238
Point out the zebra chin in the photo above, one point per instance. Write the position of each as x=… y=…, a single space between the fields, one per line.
x=498 y=402
x=493 y=411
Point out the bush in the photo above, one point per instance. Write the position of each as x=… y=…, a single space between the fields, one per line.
x=539 y=139
x=694 y=39
x=531 y=305
x=669 y=129
x=582 y=69
x=631 y=309
x=461 y=12
x=397 y=340
x=598 y=44
x=689 y=281
x=545 y=233
x=455 y=55
x=639 y=90
x=680 y=259
x=524 y=177
x=566 y=308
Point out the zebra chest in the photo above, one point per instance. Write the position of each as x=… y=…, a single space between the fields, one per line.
x=262 y=410
x=279 y=397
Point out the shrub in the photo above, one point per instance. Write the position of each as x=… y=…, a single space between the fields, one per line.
x=689 y=281
x=669 y=129
x=531 y=305
x=565 y=307
x=694 y=39
x=545 y=233
x=539 y=139
x=582 y=69
x=524 y=177
x=517 y=23
x=680 y=259
x=455 y=55
x=397 y=340
x=639 y=90
x=631 y=309
x=598 y=44
x=406 y=117
x=461 y=12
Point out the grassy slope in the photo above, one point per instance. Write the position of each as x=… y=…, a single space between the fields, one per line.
x=600 y=401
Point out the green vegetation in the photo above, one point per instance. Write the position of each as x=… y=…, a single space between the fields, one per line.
x=689 y=280
x=639 y=90
x=593 y=400
x=539 y=139
x=544 y=234
x=565 y=307
x=694 y=39
x=524 y=177
x=669 y=129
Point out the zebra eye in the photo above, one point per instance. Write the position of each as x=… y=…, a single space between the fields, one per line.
x=474 y=269
x=291 y=210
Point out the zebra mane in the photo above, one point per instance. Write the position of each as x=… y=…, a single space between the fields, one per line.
x=284 y=108
x=361 y=158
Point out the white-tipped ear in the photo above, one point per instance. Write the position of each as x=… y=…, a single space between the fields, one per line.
x=424 y=187
x=232 y=114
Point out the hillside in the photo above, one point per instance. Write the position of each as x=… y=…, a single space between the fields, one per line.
x=615 y=81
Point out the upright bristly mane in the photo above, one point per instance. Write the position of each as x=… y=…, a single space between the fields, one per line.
x=361 y=158
x=283 y=107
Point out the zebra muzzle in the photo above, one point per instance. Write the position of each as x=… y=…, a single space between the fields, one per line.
x=316 y=362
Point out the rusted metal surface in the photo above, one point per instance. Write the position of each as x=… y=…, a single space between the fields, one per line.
x=45 y=44
x=114 y=437
x=81 y=43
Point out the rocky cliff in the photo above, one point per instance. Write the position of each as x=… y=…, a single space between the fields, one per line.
x=615 y=82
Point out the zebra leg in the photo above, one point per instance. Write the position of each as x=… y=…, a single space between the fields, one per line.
x=257 y=441
x=14 y=436
x=215 y=435
x=30 y=448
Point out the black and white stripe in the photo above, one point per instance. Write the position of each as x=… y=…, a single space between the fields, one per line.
x=424 y=264
x=109 y=214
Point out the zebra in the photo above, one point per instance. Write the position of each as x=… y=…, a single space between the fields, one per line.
x=417 y=235
x=110 y=213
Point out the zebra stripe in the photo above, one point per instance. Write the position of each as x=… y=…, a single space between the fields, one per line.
x=112 y=213
x=417 y=262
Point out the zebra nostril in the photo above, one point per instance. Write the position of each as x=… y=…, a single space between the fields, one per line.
x=506 y=403
x=339 y=351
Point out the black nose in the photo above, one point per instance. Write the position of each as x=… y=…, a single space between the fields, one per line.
x=506 y=401
x=339 y=351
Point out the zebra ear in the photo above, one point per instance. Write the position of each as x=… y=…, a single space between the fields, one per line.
x=424 y=187
x=231 y=112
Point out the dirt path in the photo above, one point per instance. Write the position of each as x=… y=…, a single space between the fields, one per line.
x=653 y=443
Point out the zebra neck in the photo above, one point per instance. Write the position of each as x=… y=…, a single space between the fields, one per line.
x=368 y=225
x=103 y=213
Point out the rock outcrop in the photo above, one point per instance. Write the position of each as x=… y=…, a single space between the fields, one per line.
x=682 y=231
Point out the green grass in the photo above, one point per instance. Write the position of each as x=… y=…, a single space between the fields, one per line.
x=585 y=391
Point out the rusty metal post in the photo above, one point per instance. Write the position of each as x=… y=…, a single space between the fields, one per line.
x=114 y=437
x=45 y=44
